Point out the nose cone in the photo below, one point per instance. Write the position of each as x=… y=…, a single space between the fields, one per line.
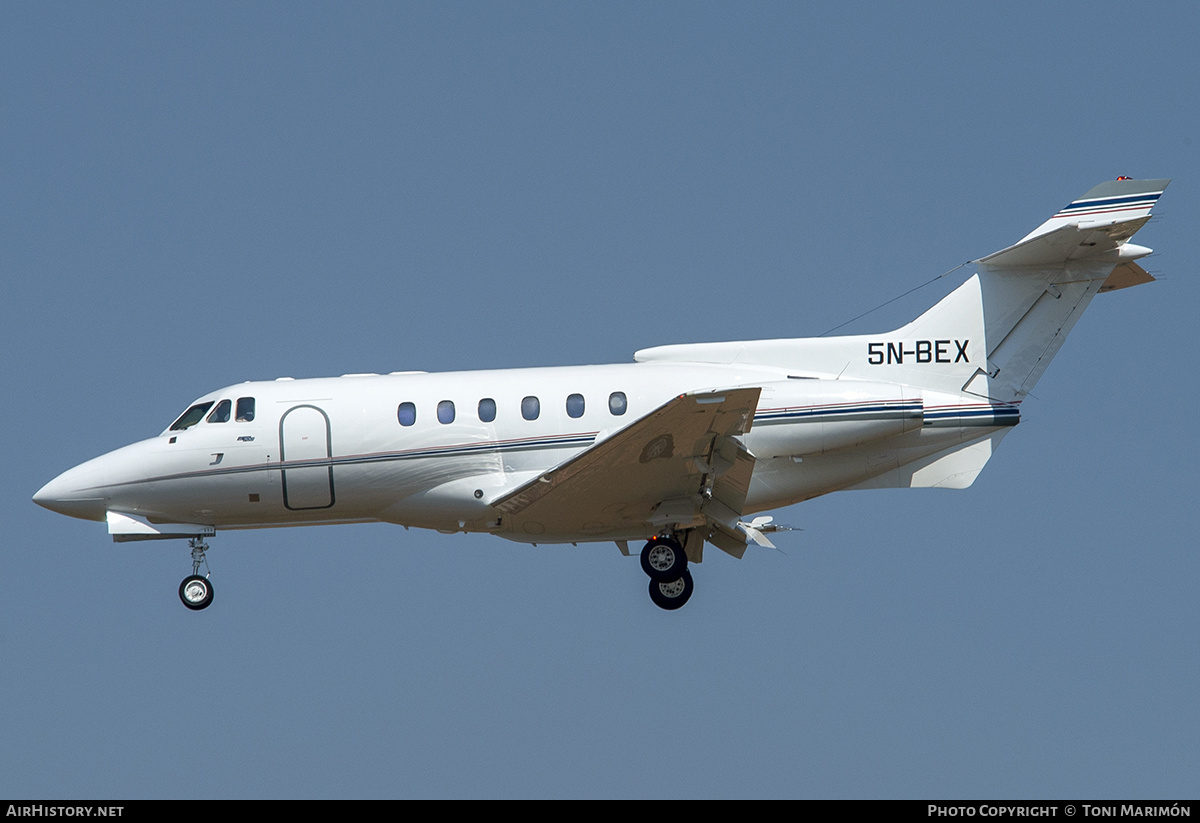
x=77 y=492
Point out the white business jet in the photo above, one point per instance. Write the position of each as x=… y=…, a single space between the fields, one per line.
x=675 y=449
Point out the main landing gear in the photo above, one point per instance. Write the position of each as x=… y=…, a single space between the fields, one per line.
x=664 y=561
x=196 y=591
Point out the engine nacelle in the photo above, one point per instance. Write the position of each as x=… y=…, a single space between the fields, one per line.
x=810 y=416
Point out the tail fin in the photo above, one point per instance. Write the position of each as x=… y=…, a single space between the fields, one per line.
x=1034 y=292
x=994 y=335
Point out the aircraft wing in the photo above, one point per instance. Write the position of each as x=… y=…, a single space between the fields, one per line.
x=677 y=466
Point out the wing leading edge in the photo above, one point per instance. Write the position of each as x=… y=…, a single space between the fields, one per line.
x=679 y=466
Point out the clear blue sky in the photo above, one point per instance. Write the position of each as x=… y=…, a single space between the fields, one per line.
x=195 y=196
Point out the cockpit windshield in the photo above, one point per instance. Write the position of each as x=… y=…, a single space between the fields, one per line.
x=191 y=417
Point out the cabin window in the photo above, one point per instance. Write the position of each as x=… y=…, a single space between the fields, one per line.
x=531 y=407
x=487 y=410
x=617 y=404
x=191 y=417
x=221 y=413
x=574 y=405
x=245 y=409
x=407 y=414
x=445 y=411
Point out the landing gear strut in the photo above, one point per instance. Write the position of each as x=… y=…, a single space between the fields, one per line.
x=665 y=563
x=196 y=591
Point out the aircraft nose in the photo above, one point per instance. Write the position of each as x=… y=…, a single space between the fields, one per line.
x=74 y=493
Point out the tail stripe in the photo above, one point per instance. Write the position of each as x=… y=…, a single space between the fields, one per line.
x=1109 y=205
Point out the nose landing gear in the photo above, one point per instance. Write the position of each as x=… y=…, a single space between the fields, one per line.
x=196 y=591
x=665 y=563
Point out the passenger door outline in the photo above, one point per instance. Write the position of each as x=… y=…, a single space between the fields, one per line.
x=307 y=439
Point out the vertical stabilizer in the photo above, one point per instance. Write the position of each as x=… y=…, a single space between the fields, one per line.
x=993 y=336
x=1035 y=291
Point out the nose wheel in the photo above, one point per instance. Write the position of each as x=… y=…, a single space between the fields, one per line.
x=665 y=563
x=196 y=590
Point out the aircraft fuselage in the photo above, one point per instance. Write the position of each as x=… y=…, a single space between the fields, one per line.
x=433 y=450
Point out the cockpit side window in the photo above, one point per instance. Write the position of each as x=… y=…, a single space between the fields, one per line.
x=245 y=409
x=221 y=413
x=191 y=417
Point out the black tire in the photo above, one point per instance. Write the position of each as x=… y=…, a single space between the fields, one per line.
x=196 y=592
x=672 y=595
x=663 y=559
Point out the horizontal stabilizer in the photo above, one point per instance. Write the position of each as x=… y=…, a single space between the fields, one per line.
x=1063 y=244
x=1126 y=275
x=1071 y=242
x=1095 y=226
